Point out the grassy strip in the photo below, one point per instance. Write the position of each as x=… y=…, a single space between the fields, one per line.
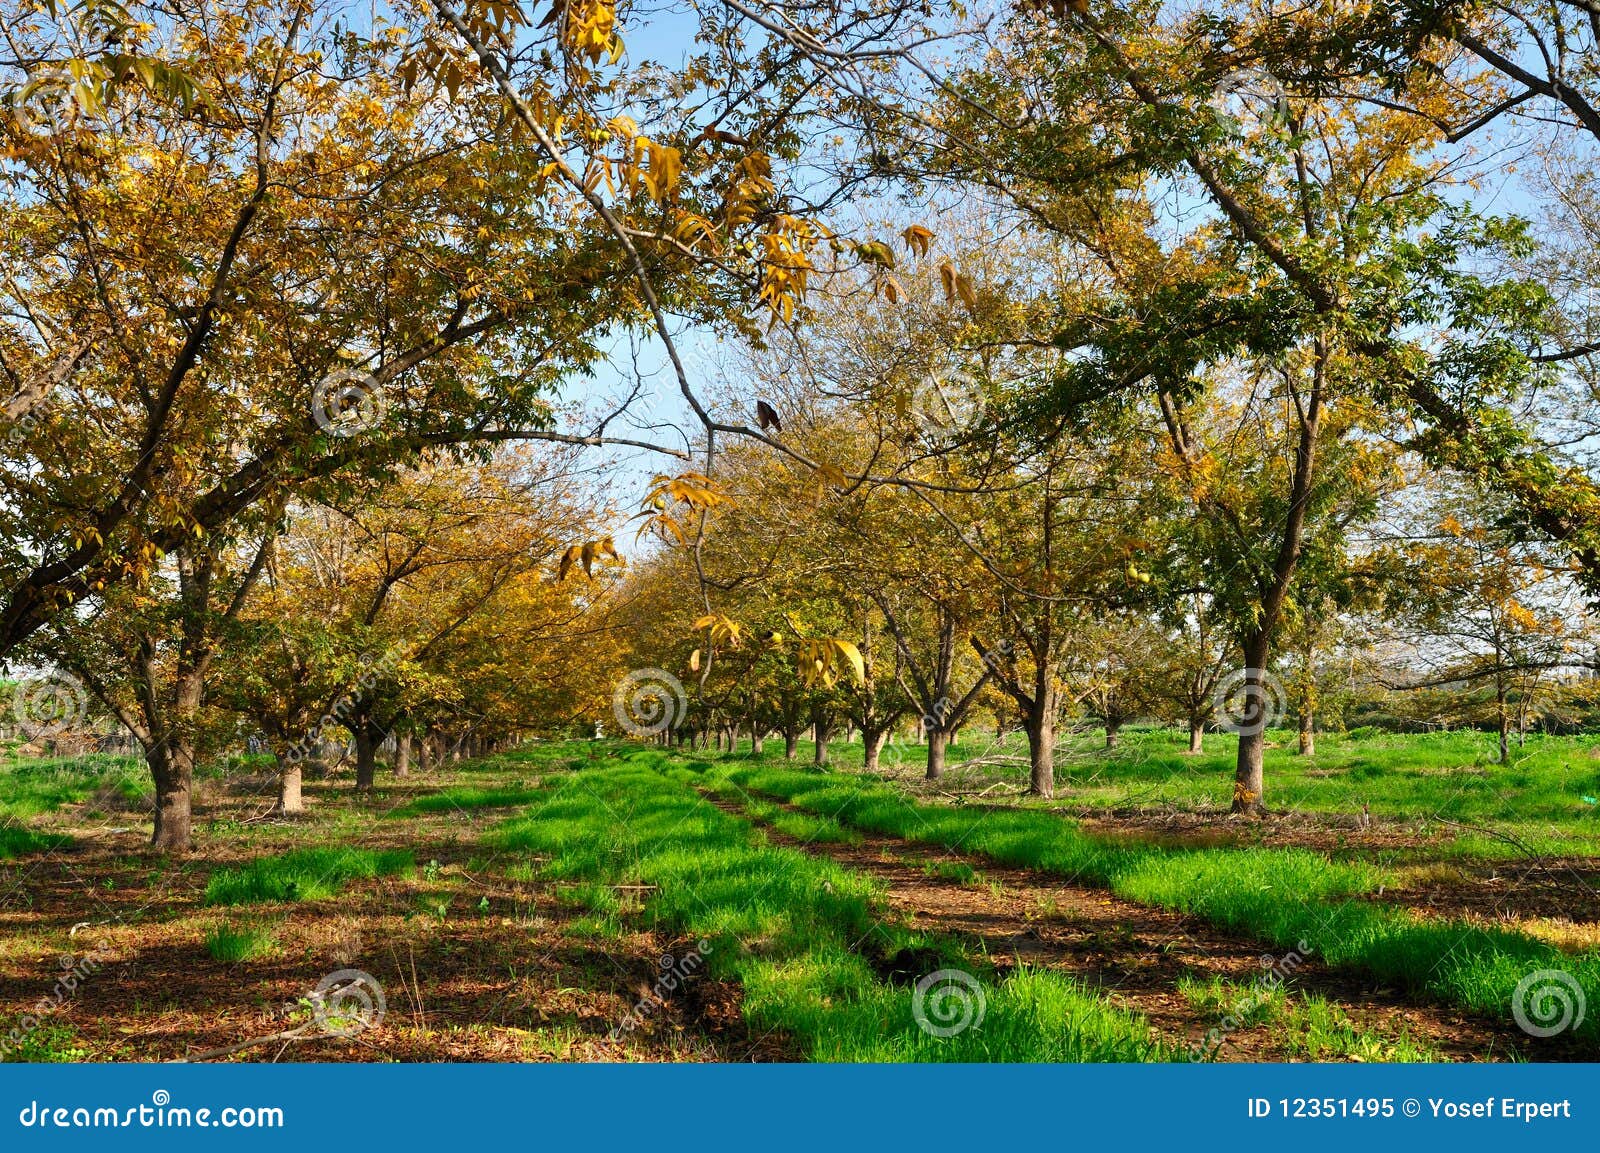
x=466 y=798
x=17 y=841
x=1283 y=896
x=31 y=788
x=793 y=929
x=303 y=875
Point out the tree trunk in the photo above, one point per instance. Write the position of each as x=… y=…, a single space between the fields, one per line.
x=172 y=769
x=1041 y=728
x=791 y=742
x=757 y=739
x=290 y=801
x=366 y=759
x=424 y=761
x=820 y=730
x=1249 y=788
x=1197 y=731
x=1113 y=733
x=938 y=742
x=402 y=755
x=1504 y=722
x=1308 y=733
x=872 y=742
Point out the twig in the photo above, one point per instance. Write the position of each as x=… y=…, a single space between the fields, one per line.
x=286 y=1035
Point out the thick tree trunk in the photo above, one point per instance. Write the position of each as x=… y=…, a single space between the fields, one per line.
x=1197 y=732
x=938 y=743
x=1249 y=788
x=402 y=755
x=366 y=759
x=172 y=769
x=1041 y=727
x=290 y=801
x=791 y=744
x=758 y=739
x=872 y=742
x=821 y=730
x=1308 y=733
x=1113 y=733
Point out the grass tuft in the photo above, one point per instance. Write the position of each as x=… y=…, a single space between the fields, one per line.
x=303 y=875
x=234 y=943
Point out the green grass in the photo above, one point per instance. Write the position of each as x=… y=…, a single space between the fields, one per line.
x=1278 y=896
x=1304 y=1026
x=17 y=841
x=1437 y=782
x=467 y=799
x=1242 y=1006
x=303 y=875
x=46 y=1043
x=233 y=943
x=32 y=788
x=805 y=937
x=958 y=871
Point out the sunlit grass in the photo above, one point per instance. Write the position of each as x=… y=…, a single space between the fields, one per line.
x=303 y=875
x=1283 y=897
x=799 y=932
x=234 y=943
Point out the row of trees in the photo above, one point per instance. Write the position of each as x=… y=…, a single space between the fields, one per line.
x=1105 y=573
x=1220 y=353
x=425 y=614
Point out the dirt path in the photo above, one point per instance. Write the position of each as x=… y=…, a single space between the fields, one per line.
x=1135 y=954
